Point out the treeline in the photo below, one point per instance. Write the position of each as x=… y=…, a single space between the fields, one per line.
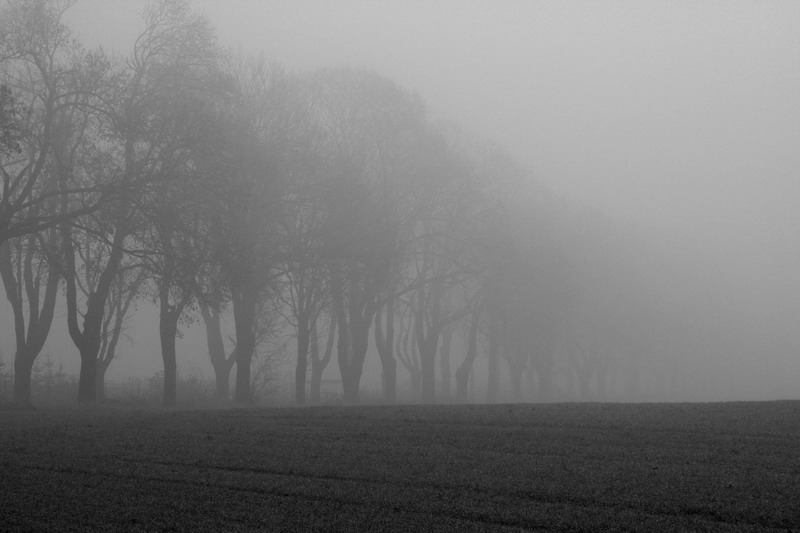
x=209 y=184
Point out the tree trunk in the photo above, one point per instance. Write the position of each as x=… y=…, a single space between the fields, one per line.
x=87 y=340
x=462 y=380
x=39 y=319
x=545 y=342
x=389 y=379
x=243 y=393
x=344 y=355
x=351 y=379
x=444 y=359
x=87 y=378
x=244 y=311
x=493 y=356
x=318 y=364
x=360 y=336
x=316 y=373
x=102 y=367
x=315 y=390
x=221 y=363
x=464 y=371
x=516 y=357
x=168 y=330
x=301 y=370
x=344 y=342
x=353 y=335
x=23 y=370
x=89 y=345
x=384 y=340
x=427 y=359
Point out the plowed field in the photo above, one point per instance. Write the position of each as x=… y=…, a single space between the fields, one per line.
x=579 y=467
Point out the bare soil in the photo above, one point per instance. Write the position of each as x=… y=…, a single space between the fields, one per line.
x=566 y=467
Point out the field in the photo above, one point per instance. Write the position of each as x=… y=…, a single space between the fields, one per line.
x=578 y=467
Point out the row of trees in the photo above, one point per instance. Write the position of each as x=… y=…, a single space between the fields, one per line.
x=207 y=184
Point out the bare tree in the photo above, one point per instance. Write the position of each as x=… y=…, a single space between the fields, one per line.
x=306 y=295
x=320 y=362
x=29 y=278
x=139 y=150
x=176 y=238
x=125 y=290
x=304 y=286
x=221 y=361
x=370 y=124
x=464 y=370
x=254 y=170
x=47 y=75
x=406 y=348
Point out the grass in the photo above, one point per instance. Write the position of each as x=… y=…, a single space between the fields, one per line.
x=567 y=467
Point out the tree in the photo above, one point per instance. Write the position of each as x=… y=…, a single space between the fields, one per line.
x=304 y=286
x=49 y=76
x=221 y=361
x=416 y=201
x=29 y=277
x=140 y=139
x=318 y=363
x=432 y=315
x=606 y=260
x=538 y=288
x=371 y=127
x=406 y=348
x=452 y=254
x=179 y=258
x=88 y=338
x=90 y=254
x=254 y=170
x=306 y=295
x=176 y=241
x=176 y=236
x=465 y=369
x=126 y=288
x=384 y=336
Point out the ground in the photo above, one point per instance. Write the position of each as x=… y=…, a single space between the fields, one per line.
x=579 y=467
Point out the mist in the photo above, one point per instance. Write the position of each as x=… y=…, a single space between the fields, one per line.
x=674 y=127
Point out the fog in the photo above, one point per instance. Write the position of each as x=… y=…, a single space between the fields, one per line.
x=680 y=121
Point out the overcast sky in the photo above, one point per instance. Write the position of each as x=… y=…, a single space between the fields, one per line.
x=679 y=116
x=673 y=111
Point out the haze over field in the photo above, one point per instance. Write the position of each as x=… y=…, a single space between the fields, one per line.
x=678 y=120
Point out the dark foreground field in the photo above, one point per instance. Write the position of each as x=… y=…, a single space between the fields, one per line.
x=719 y=467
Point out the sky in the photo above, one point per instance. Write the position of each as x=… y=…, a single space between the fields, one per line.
x=675 y=113
x=680 y=118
